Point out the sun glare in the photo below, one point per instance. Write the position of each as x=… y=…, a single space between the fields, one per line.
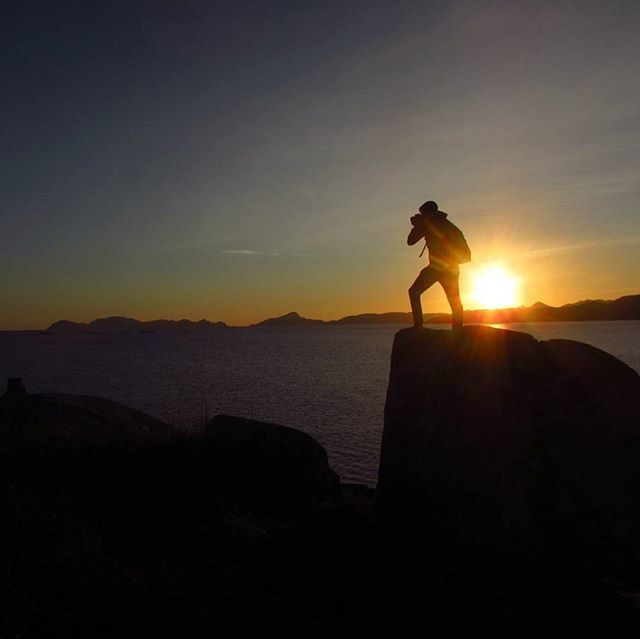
x=495 y=287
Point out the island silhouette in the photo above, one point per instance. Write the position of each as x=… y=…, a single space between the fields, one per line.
x=622 y=308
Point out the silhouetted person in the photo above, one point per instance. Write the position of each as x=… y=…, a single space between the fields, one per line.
x=447 y=249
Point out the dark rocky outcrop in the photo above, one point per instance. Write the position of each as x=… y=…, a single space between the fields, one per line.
x=112 y=525
x=266 y=466
x=508 y=490
x=512 y=454
x=72 y=421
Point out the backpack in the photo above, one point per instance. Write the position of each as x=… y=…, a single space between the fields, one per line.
x=456 y=243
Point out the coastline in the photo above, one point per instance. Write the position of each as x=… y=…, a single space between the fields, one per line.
x=328 y=324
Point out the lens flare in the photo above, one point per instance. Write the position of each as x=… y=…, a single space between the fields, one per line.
x=495 y=287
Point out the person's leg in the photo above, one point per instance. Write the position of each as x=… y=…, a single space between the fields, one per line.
x=425 y=279
x=451 y=288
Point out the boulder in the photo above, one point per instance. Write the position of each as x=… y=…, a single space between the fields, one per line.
x=505 y=446
x=74 y=422
x=268 y=467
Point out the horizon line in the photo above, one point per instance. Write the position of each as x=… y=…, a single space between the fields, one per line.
x=328 y=321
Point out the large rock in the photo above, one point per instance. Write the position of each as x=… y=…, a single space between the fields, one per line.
x=495 y=441
x=74 y=422
x=263 y=466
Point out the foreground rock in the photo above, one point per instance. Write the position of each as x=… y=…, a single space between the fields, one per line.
x=513 y=449
x=266 y=466
x=74 y=422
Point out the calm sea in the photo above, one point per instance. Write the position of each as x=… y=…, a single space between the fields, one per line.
x=328 y=381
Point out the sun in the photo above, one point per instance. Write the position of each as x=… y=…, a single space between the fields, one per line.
x=495 y=287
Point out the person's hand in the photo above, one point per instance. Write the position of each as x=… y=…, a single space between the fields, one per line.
x=416 y=220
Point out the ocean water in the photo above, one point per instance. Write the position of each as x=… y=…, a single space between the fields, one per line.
x=329 y=381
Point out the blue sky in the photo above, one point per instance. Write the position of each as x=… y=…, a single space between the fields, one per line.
x=235 y=160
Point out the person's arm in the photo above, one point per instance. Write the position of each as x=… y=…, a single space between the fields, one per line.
x=417 y=232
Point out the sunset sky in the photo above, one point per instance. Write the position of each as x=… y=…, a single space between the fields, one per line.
x=240 y=160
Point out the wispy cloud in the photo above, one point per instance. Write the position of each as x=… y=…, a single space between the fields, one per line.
x=267 y=253
x=244 y=252
x=305 y=191
x=570 y=248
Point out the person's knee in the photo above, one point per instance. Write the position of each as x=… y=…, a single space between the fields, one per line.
x=413 y=292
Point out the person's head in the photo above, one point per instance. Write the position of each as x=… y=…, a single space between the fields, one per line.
x=428 y=207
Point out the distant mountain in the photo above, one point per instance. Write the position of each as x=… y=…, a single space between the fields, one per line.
x=120 y=324
x=580 y=302
x=380 y=318
x=627 y=307
x=295 y=319
x=290 y=319
x=623 y=308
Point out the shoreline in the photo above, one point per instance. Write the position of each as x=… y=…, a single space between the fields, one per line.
x=329 y=324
